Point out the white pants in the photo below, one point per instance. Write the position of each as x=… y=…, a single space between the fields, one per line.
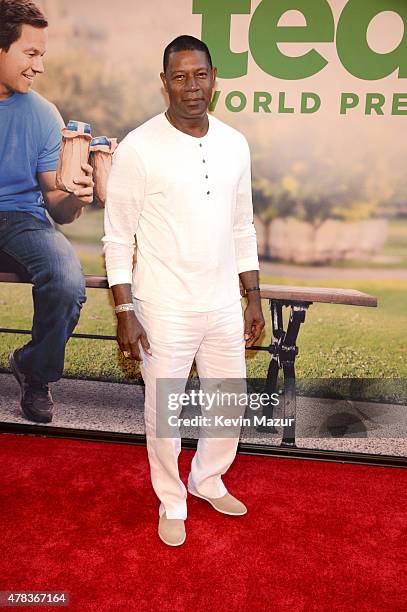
x=216 y=341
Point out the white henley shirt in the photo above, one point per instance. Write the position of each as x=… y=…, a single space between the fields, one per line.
x=187 y=203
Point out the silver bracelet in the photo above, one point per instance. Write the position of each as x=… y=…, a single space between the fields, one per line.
x=123 y=308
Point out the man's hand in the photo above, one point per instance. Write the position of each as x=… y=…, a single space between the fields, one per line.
x=129 y=333
x=84 y=192
x=253 y=316
x=62 y=206
x=253 y=321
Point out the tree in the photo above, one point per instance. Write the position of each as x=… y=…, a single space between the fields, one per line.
x=84 y=89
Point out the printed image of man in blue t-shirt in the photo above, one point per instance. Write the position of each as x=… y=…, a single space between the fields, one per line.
x=30 y=139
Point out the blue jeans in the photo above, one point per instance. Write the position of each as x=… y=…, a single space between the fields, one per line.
x=58 y=290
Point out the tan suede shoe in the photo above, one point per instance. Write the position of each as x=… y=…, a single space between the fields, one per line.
x=171 y=531
x=226 y=504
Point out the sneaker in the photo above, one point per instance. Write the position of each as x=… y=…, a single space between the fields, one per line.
x=36 y=400
x=171 y=531
x=226 y=504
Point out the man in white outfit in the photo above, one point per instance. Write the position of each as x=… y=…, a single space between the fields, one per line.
x=180 y=183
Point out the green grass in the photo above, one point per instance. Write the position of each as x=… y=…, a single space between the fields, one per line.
x=92 y=262
x=335 y=341
x=84 y=358
x=88 y=228
x=351 y=341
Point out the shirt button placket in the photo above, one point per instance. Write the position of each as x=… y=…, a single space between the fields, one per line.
x=206 y=173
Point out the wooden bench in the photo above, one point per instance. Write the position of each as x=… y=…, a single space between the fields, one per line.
x=282 y=347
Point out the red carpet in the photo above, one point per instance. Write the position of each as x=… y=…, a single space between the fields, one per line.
x=81 y=517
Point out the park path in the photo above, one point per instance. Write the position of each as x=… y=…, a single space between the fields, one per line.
x=305 y=273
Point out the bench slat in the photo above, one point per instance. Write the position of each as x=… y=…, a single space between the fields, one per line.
x=277 y=292
x=318 y=294
x=93 y=282
x=10 y=277
x=96 y=282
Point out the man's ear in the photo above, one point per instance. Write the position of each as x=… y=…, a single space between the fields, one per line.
x=164 y=80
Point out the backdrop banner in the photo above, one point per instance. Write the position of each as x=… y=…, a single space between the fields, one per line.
x=319 y=89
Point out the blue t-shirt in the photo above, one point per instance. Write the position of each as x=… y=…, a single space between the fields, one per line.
x=30 y=140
